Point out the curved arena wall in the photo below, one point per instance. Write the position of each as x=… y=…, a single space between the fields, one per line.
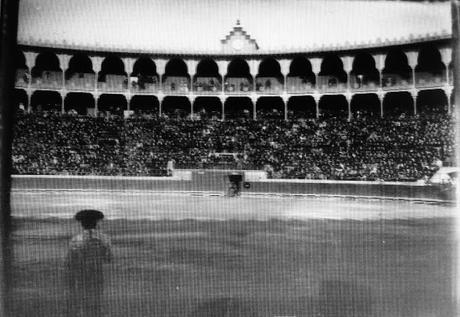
x=218 y=184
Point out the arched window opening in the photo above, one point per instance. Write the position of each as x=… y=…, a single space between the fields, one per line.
x=365 y=105
x=144 y=77
x=79 y=103
x=301 y=77
x=47 y=73
x=46 y=101
x=112 y=76
x=238 y=108
x=364 y=75
x=397 y=104
x=397 y=72
x=208 y=108
x=176 y=107
x=269 y=79
x=333 y=106
x=207 y=78
x=238 y=78
x=80 y=74
x=332 y=77
x=269 y=108
x=176 y=78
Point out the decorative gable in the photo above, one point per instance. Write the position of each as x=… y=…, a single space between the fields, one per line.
x=238 y=41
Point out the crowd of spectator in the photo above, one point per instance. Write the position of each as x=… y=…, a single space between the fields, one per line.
x=404 y=148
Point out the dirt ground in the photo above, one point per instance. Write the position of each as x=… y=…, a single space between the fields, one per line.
x=267 y=260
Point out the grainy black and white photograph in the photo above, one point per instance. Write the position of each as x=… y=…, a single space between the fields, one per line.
x=229 y=158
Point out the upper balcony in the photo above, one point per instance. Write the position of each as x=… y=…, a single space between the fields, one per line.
x=207 y=85
x=330 y=84
x=238 y=86
x=81 y=82
x=269 y=85
x=176 y=85
x=297 y=84
x=424 y=80
x=395 y=82
x=49 y=80
x=144 y=85
x=113 y=83
x=22 y=78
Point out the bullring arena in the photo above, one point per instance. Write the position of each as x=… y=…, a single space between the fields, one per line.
x=338 y=116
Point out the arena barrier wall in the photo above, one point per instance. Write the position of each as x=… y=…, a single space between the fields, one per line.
x=216 y=182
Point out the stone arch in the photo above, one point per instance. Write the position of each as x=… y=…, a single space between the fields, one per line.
x=238 y=108
x=365 y=105
x=176 y=78
x=301 y=107
x=269 y=78
x=208 y=107
x=333 y=106
x=301 y=76
x=397 y=70
x=207 y=77
x=46 y=61
x=433 y=101
x=144 y=105
x=364 y=73
x=430 y=67
x=399 y=103
x=22 y=71
x=270 y=108
x=79 y=102
x=144 y=75
x=332 y=73
x=45 y=100
x=176 y=107
x=238 y=77
x=21 y=100
x=113 y=104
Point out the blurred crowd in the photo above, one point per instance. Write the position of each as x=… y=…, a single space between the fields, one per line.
x=400 y=148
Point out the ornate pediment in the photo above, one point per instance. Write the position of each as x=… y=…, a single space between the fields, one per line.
x=238 y=41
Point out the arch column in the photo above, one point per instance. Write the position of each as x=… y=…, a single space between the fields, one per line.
x=63 y=95
x=161 y=66
x=160 y=98
x=129 y=68
x=64 y=64
x=414 y=94
x=348 y=97
x=191 y=67
x=446 y=58
x=317 y=98
x=30 y=63
x=285 y=98
x=253 y=69
x=128 y=101
x=316 y=68
x=381 y=96
x=97 y=65
x=254 y=105
x=284 y=63
x=347 y=67
x=380 y=65
x=412 y=57
x=191 y=99
x=96 y=96
x=222 y=100
x=29 y=100
x=222 y=66
x=448 y=91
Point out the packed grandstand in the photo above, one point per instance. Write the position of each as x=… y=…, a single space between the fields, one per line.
x=374 y=106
